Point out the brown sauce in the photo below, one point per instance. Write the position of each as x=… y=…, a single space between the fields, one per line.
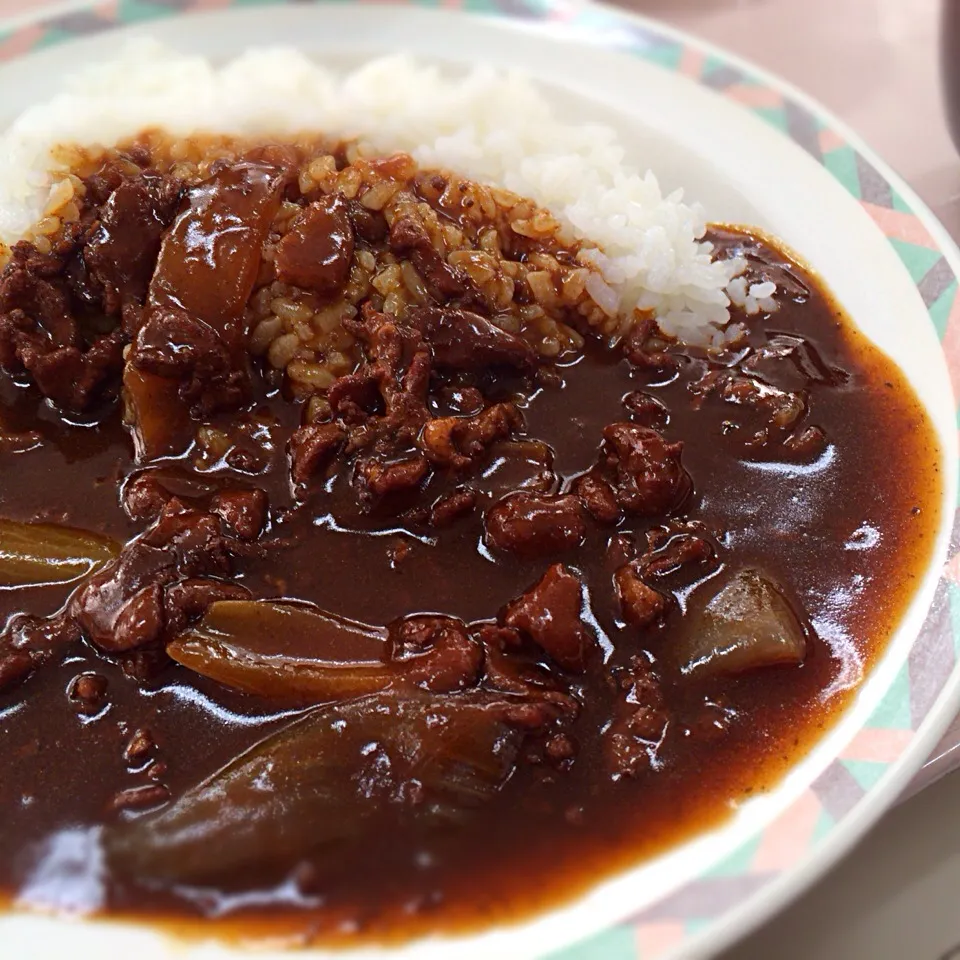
x=845 y=533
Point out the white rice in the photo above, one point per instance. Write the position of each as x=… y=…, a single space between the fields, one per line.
x=490 y=126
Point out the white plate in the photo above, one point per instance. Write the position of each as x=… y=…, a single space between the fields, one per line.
x=753 y=151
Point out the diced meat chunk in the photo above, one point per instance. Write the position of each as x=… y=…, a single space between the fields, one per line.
x=317 y=251
x=452 y=506
x=640 y=604
x=244 y=511
x=313 y=447
x=549 y=613
x=436 y=653
x=647 y=410
x=173 y=345
x=597 y=497
x=122 y=607
x=187 y=600
x=632 y=740
x=40 y=334
x=649 y=478
x=376 y=479
x=458 y=442
x=72 y=377
x=530 y=525
x=679 y=551
x=463 y=340
x=121 y=254
x=409 y=237
x=144 y=497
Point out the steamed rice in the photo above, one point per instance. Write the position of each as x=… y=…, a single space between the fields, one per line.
x=493 y=127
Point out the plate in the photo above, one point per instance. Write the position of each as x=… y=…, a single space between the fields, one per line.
x=753 y=150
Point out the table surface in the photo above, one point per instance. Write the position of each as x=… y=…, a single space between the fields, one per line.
x=874 y=64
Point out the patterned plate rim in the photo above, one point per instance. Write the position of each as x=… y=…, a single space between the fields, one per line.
x=723 y=903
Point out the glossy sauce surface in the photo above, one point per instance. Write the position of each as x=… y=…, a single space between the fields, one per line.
x=845 y=535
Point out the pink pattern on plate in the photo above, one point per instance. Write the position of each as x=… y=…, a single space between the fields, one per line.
x=951 y=349
x=900 y=226
x=654 y=939
x=20 y=42
x=830 y=140
x=691 y=62
x=877 y=744
x=788 y=838
x=753 y=96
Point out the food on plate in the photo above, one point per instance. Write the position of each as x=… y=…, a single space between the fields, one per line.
x=408 y=515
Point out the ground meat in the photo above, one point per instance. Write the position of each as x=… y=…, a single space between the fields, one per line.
x=643 y=469
x=144 y=497
x=679 y=550
x=645 y=348
x=34 y=299
x=385 y=400
x=452 y=507
x=28 y=642
x=463 y=340
x=187 y=600
x=369 y=225
x=444 y=281
x=139 y=746
x=88 y=690
x=465 y=401
x=509 y=669
x=139 y=798
x=646 y=410
x=375 y=479
x=317 y=252
x=122 y=252
x=356 y=397
x=776 y=412
x=39 y=332
x=175 y=346
x=436 y=653
x=244 y=511
x=549 y=613
x=640 y=604
x=313 y=447
x=110 y=175
x=458 y=442
x=530 y=525
x=597 y=497
x=560 y=748
x=73 y=377
x=631 y=741
x=806 y=444
x=126 y=605
x=15 y=666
